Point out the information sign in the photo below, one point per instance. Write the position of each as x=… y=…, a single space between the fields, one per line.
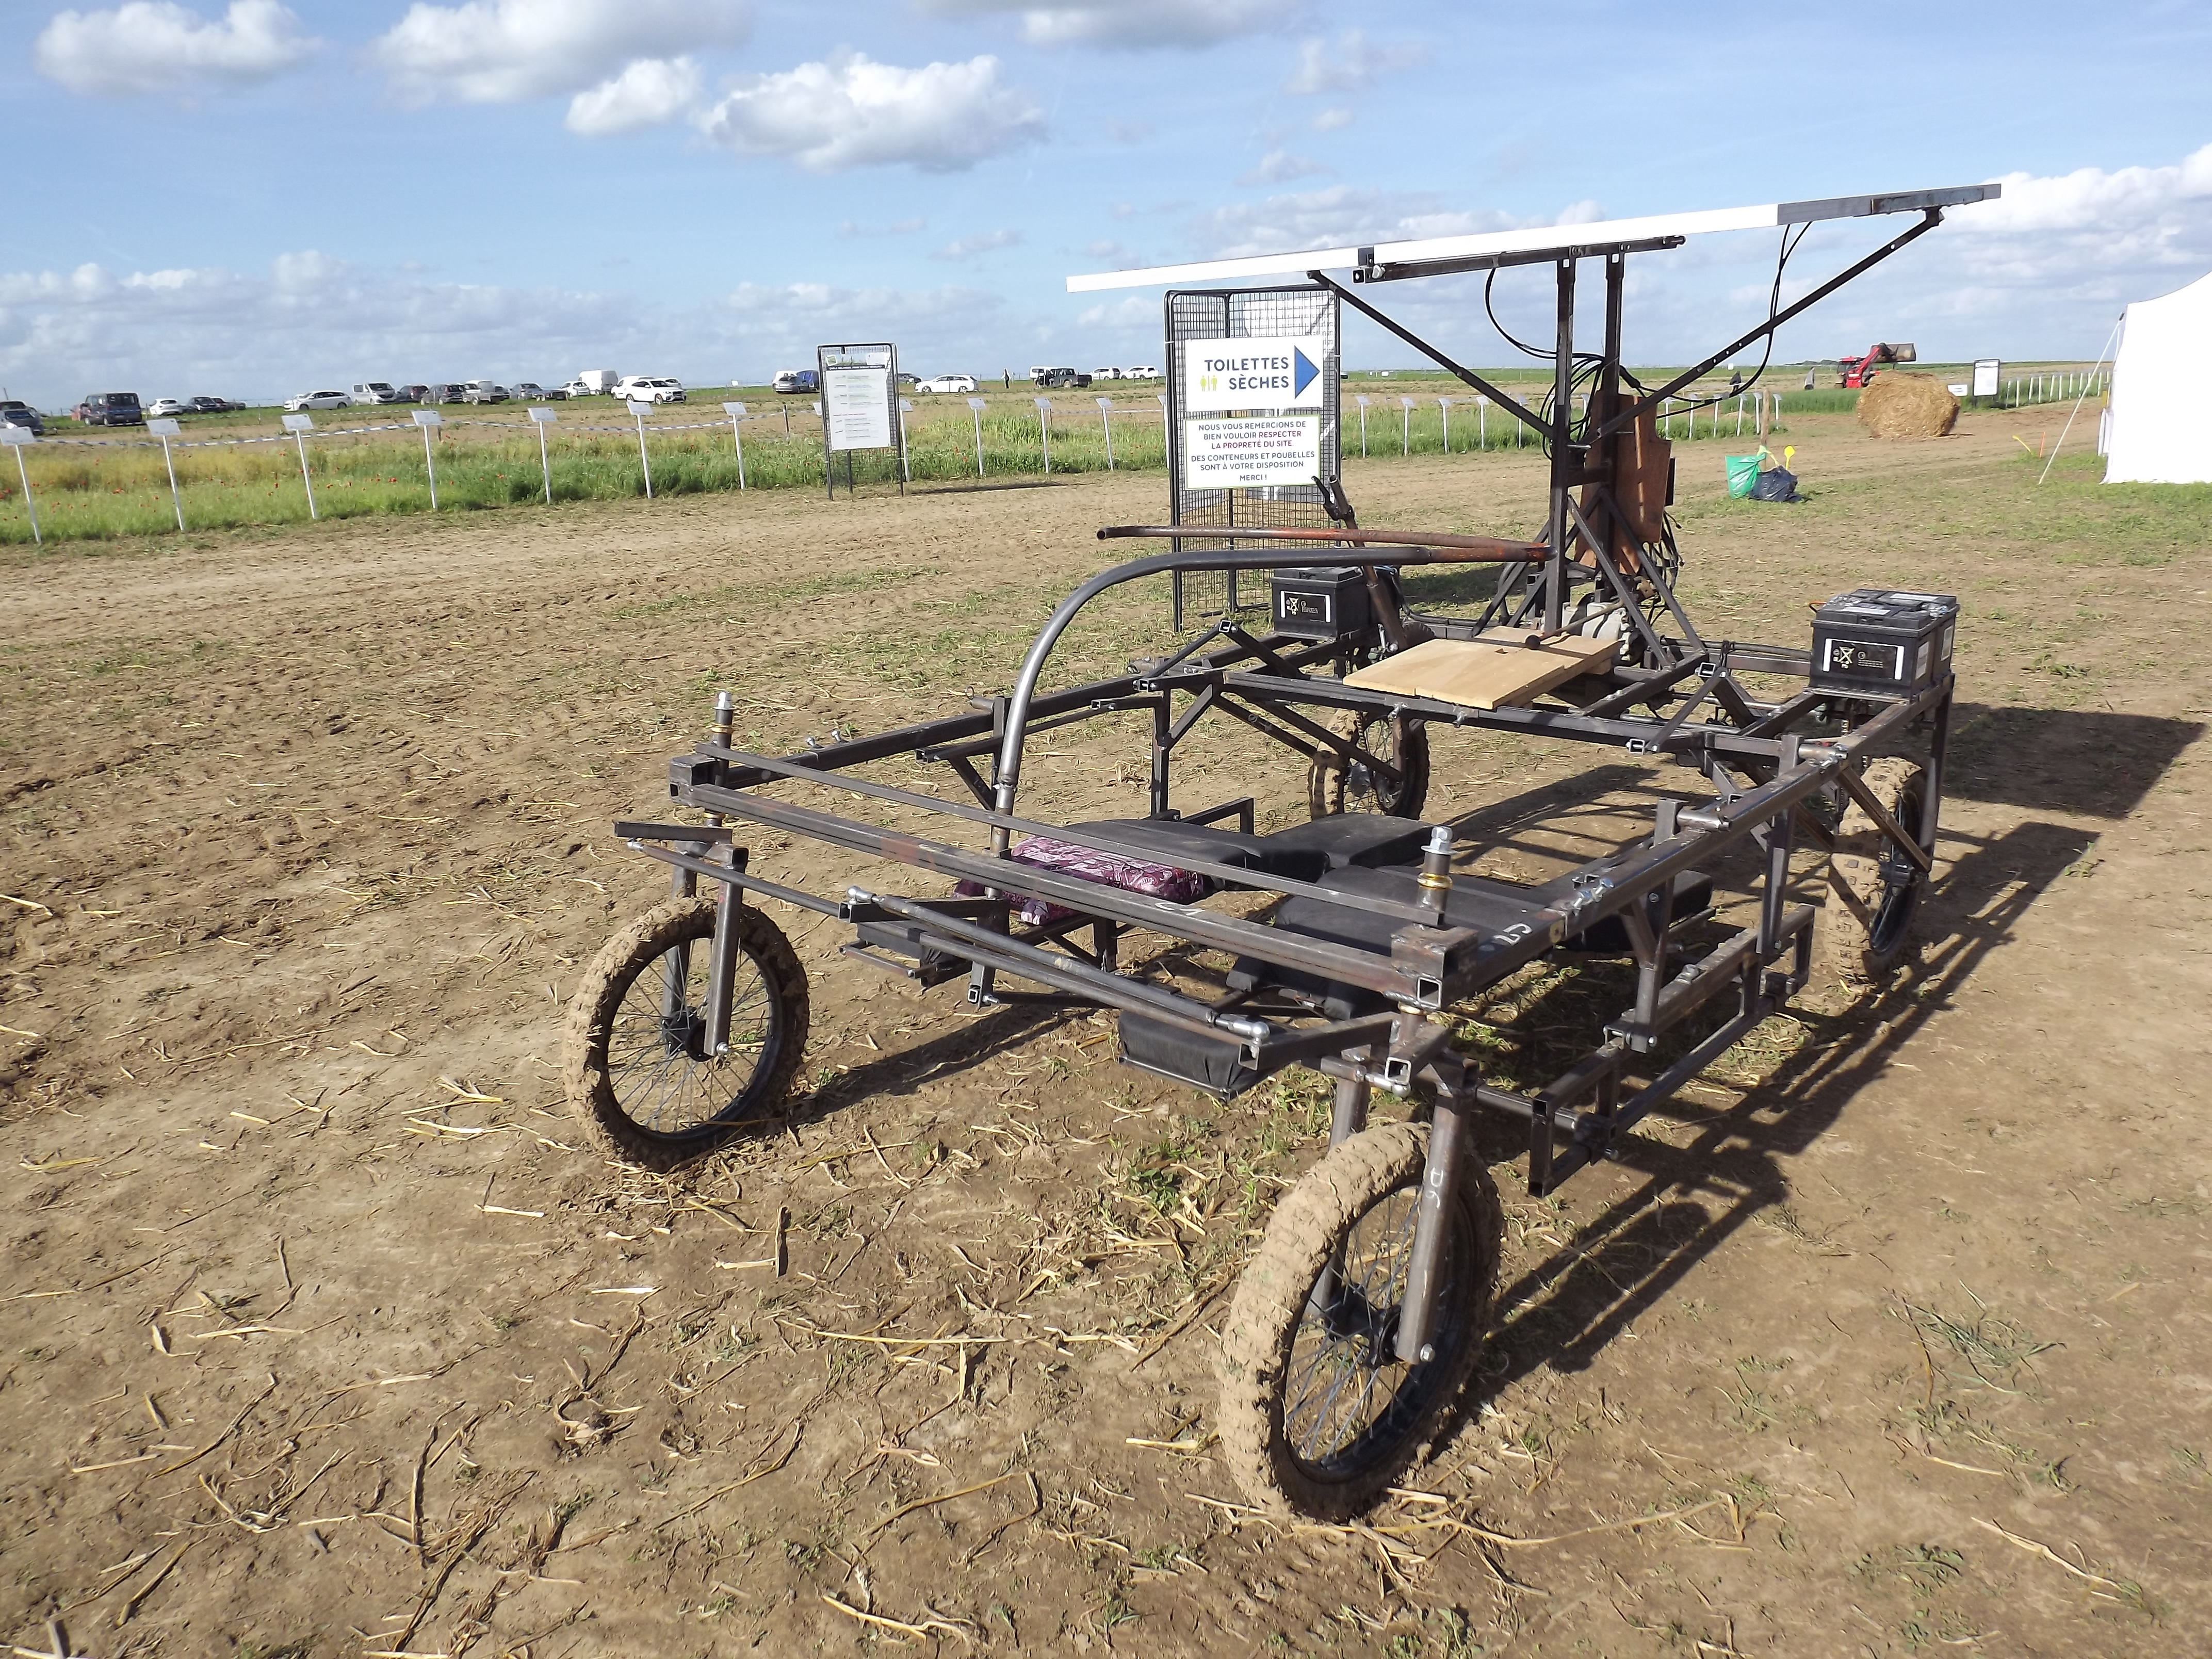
x=1258 y=452
x=1268 y=372
x=857 y=403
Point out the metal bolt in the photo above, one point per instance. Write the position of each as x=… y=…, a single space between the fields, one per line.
x=1428 y=1352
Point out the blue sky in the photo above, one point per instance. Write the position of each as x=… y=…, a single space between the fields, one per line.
x=248 y=197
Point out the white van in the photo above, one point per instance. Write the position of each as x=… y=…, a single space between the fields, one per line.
x=376 y=392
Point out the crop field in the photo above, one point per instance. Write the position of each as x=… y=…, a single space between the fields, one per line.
x=236 y=470
x=322 y=1336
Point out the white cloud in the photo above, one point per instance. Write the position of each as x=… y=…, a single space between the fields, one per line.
x=1332 y=120
x=157 y=45
x=967 y=248
x=1133 y=312
x=648 y=93
x=312 y=319
x=852 y=111
x=502 y=51
x=1345 y=215
x=1348 y=65
x=1279 y=166
x=1127 y=24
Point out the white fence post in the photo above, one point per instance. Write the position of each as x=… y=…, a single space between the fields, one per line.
x=906 y=465
x=1363 y=425
x=975 y=408
x=1044 y=431
x=19 y=438
x=1106 y=425
x=1444 y=404
x=542 y=418
x=1482 y=423
x=429 y=420
x=1406 y=420
x=300 y=426
x=737 y=412
x=165 y=430
x=645 y=460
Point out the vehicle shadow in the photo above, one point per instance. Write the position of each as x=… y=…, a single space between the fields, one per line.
x=1561 y=1312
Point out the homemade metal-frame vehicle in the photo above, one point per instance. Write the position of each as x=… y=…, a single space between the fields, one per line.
x=1355 y=1330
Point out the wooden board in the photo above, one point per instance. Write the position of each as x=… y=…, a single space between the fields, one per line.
x=1501 y=670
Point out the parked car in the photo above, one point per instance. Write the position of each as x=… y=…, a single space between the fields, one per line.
x=948 y=383
x=650 y=389
x=1055 y=380
x=447 y=392
x=414 y=394
x=530 y=391
x=168 y=406
x=318 y=400
x=483 y=392
x=802 y=380
x=1105 y=374
x=111 y=409
x=906 y=380
x=593 y=383
x=14 y=412
x=374 y=392
x=1141 y=372
x=212 y=405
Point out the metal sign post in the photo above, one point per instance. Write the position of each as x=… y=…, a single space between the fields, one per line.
x=165 y=430
x=1044 y=431
x=300 y=426
x=1362 y=401
x=859 y=407
x=975 y=408
x=737 y=412
x=1106 y=424
x=906 y=473
x=1482 y=423
x=542 y=418
x=1406 y=425
x=1444 y=404
x=19 y=438
x=429 y=420
x=640 y=410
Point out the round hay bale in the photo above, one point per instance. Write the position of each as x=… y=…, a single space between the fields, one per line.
x=1907 y=406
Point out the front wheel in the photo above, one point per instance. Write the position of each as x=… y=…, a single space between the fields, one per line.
x=1319 y=1416
x=637 y=1074
x=1332 y=786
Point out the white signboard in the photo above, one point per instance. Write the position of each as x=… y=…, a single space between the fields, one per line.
x=1282 y=371
x=857 y=407
x=1986 y=370
x=1251 y=453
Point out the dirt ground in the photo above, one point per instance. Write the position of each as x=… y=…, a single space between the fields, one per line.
x=321 y=1337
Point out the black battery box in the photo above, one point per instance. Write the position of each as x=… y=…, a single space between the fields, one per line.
x=1882 y=641
x=1321 y=602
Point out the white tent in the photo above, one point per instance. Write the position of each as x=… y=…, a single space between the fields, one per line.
x=2161 y=418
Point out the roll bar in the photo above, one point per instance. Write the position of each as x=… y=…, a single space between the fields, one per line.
x=1407 y=547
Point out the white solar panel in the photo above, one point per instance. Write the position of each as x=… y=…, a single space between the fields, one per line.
x=1537 y=242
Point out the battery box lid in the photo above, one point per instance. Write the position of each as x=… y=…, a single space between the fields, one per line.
x=1888 y=607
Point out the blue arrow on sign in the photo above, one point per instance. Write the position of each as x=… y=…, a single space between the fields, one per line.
x=1302 y=372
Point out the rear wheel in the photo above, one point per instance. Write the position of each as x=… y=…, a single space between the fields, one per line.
x=1332 y=786
x=638 y=1077
x=1872 y=888
x=1318 y=1415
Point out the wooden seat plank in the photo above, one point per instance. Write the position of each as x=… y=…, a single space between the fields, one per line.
x=1505 y=668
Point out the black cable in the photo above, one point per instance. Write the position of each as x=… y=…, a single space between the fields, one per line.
x=1773 y=304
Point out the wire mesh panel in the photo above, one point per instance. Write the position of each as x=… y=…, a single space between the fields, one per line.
x=1199 y=314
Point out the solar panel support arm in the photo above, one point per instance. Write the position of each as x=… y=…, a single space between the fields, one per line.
x=1505 y=401
x=1934 y=216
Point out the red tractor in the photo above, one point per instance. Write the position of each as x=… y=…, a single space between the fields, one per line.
x=1857 y=372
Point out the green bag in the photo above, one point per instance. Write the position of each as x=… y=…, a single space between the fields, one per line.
x=1743 y=473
